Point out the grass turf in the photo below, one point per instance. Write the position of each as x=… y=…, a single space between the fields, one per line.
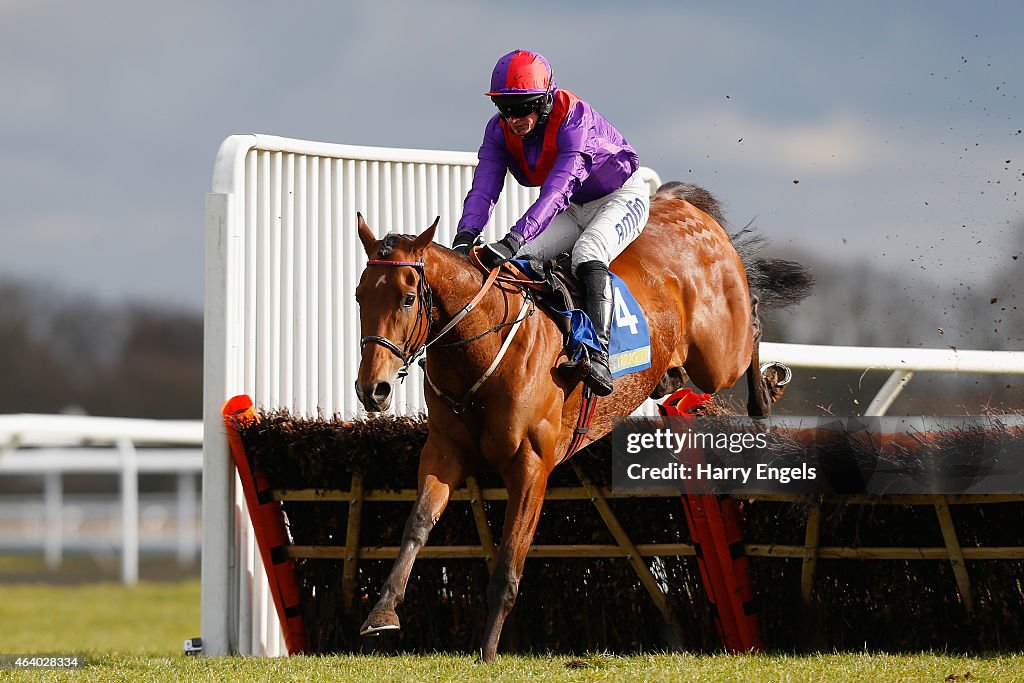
x=150 y=618
x=136 y=634
x=594 y=667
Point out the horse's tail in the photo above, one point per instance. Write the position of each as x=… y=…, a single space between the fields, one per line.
x=774 y=284
x=778 y=283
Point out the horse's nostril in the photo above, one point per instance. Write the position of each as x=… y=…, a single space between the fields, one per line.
x=381 y=390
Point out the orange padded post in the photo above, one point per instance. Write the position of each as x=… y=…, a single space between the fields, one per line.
x=717 y=534
x=269 y=526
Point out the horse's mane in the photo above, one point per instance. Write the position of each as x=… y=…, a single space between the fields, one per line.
x=394 y=240
x=390 y=241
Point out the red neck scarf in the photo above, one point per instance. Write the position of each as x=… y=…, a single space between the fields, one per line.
x=564 y=102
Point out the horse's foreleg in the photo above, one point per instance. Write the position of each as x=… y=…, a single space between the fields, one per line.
x=525 y=499
x=438 y=477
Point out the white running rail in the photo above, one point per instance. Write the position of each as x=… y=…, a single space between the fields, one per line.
x=54 y=445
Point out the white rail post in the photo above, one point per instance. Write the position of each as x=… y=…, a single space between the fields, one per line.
x=888 y=393
x=187 y=498
x=12 y=444
x=219 y=607
x=129 y=512
x=53 y=495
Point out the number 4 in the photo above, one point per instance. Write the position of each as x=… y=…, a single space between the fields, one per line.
x=623 y=318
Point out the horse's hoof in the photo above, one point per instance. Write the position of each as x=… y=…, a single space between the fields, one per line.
x=776 y=377
x=780 y=374
x=378 y=621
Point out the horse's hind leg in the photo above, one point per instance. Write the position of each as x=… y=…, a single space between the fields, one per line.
x=759 y=402
x=672 y=380
x=438 y=477
x=525 y=497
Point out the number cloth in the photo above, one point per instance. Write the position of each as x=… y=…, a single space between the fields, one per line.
x=629 y=349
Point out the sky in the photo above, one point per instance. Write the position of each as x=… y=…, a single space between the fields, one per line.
x=871 y=131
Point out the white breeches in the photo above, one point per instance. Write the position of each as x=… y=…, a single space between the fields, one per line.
x=599 y=230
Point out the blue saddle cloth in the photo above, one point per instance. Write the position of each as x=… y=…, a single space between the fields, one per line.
x=629 y=348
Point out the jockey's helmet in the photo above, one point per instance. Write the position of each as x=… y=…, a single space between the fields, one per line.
x=522 y=83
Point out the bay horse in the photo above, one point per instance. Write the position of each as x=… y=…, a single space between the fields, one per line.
x=492 y=391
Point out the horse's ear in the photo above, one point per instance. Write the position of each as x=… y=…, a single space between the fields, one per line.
x=366 y=237
x=426 y=237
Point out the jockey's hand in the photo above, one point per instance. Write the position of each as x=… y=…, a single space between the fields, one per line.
x=463 y=242
x=493 y=254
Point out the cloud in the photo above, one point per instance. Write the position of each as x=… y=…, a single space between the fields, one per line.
x=109 y=127
x=35 y=95
x=839 y=143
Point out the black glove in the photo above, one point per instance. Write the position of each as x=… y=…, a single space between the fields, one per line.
x=463 y=242
x=493 y=254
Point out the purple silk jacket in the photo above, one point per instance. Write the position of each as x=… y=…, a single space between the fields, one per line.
x=593 y=160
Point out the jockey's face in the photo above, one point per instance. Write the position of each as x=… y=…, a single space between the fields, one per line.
x=524 y=124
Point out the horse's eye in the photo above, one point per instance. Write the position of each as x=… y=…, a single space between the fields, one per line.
x=409 y=300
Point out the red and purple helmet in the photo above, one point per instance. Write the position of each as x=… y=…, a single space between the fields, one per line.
x=525 y=79
x=521 y=72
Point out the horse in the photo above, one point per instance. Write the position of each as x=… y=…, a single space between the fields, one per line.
x=492 y=389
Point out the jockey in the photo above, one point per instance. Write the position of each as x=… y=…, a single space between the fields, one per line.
x=592 y=200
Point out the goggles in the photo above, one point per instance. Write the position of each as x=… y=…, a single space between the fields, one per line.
x=517 y=109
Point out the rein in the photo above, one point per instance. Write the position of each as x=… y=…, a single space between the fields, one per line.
x=409 y=355
x=459 y=407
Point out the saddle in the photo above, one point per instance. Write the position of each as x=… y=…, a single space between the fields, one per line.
x=556 y=288
x=553 y=284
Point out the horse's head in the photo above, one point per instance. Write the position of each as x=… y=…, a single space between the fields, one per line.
x=394 y=311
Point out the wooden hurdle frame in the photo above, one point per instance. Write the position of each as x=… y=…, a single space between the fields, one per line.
x=810 y=552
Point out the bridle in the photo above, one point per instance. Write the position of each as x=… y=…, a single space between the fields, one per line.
x=418 y=341
x=409 y=352
x=415 y=344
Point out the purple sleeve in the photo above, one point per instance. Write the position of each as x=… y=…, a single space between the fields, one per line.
x=488 y=179
x=571 y=168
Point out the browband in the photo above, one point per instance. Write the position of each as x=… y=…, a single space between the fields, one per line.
x=414 y=264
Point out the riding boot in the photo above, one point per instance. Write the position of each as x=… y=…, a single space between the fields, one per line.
x=597 y=304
